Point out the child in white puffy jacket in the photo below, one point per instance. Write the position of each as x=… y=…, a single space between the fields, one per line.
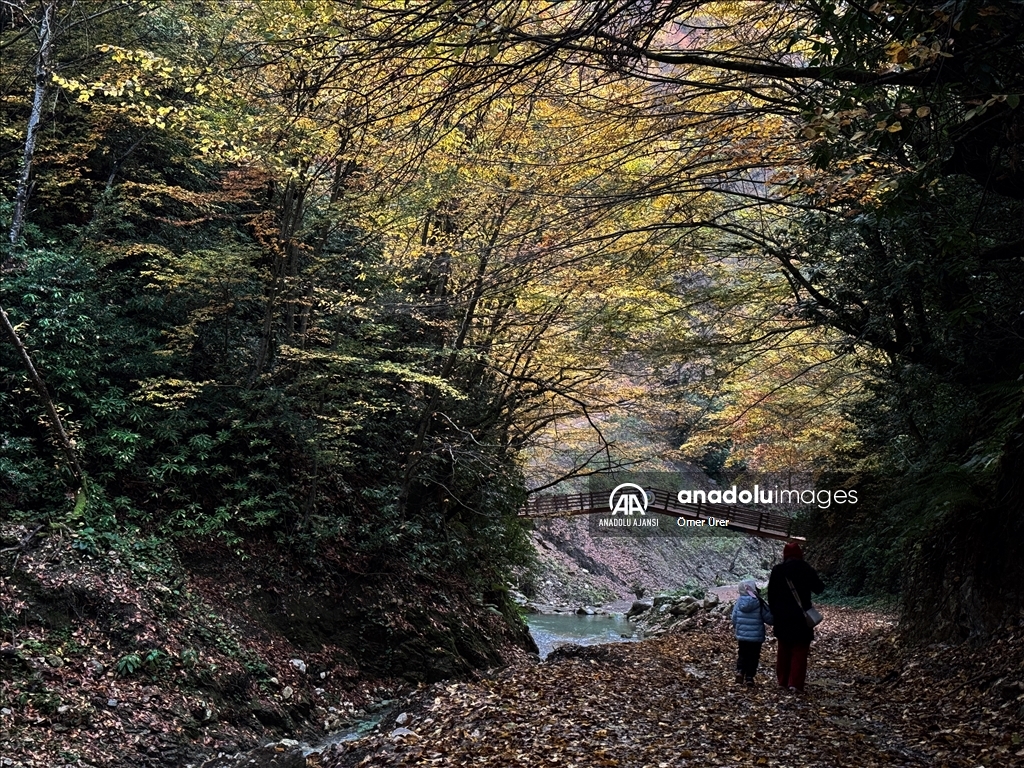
x=749 y=615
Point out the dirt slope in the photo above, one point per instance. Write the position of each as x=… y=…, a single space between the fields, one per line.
x=577 y=567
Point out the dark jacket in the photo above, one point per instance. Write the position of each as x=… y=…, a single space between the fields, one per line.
x=790 y=624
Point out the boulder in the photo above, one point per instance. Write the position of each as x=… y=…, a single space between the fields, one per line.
x=638 y=607
x=684 y=609
x=574 y=651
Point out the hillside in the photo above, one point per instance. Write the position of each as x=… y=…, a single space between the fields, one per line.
x=577 y=568
x=132 y=656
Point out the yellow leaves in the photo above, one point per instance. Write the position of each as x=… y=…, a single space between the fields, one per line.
x=140 y=85
x=170 y=393
x=916 y=52
x=829 y=123
x=897 y=52
x=778 y=403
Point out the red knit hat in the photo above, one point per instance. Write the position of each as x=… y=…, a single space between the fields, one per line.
x=792 y=550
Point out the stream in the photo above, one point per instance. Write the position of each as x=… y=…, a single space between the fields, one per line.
x=551 y=630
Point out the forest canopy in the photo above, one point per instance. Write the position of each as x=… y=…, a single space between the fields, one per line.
x=289 y=265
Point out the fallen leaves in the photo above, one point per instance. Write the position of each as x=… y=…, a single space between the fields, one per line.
x=102 y=664
x=868 y=704
x=668 y=701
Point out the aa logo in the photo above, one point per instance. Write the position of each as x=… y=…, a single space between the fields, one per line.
x=628 y=499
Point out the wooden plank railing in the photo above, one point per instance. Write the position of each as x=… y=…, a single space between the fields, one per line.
x=746 y=519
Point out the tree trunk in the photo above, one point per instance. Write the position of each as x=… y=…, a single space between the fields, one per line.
x=56 y=423
x=46 y=34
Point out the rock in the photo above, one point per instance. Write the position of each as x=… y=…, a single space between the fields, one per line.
x=711 y=601
x=684 y=609
x=286 y=753
x=112 y=703
x=55 y=661
x=574 y=651
x=95 y=668
x=299 y=664
x=660 y=600
x=286 y=692
x=585 y=610
x=400 y=733
x=403 y=719
x=6 y=712
x=272 y=717
x=637 y=608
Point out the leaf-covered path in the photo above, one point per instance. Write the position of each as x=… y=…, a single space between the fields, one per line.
x=672 y=702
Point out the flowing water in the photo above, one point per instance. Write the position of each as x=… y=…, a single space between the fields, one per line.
x=552 y=630
x=548 y=630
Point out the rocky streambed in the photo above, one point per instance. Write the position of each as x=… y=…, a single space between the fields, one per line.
x=677 y=612
x=561 y=632
x=555 y=626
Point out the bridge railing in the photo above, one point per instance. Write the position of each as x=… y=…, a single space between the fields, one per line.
x=741 y=518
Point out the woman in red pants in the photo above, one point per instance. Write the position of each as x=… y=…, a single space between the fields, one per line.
x=791 y=630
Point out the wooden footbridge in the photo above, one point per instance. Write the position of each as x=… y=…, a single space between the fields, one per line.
x=737 y=517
